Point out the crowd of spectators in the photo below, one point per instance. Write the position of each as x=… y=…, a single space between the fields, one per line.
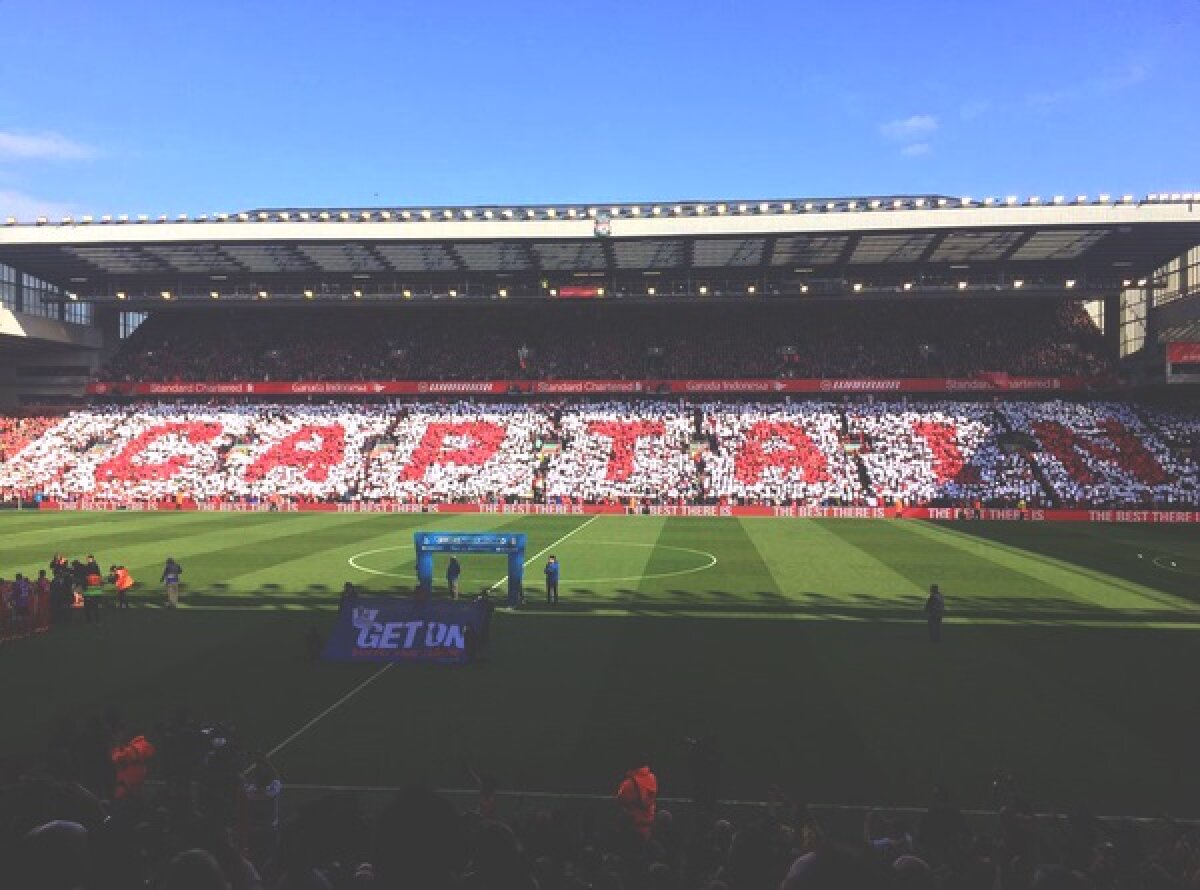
x=188 y=806
x=598 y=341
x=1106 y=454
x=853 y=453
x=17 y=432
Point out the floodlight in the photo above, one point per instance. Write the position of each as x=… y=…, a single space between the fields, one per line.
x=1070 y=283
x=857 y=286
x=166 y=295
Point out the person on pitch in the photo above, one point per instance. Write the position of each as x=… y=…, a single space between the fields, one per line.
x=935 y=611
x=170 y=576
x=453 y=570
x=551 y=572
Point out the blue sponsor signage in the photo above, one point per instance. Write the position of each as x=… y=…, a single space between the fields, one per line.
x=429 y=543
x=392 y=629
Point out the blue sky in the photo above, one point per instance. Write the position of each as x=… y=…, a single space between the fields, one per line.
x=175 y=107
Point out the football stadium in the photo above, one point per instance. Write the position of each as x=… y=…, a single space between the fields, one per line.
x=748 y=504
x=844 y=538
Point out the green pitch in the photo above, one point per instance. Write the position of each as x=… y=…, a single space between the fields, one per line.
x=1069 y=656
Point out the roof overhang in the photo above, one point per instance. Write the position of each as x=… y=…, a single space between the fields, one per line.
x=872 y=241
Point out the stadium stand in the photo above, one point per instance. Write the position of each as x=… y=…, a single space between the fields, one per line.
x=213 y=822
x=582 y=341
x=853 y=453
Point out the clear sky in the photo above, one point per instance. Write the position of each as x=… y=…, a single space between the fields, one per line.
x=176 y=106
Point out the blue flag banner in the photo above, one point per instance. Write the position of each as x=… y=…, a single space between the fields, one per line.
x=391 y=629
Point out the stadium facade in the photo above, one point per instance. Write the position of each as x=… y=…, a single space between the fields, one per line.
x=72 y=289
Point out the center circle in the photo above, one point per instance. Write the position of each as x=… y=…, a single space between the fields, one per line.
x=709 y=562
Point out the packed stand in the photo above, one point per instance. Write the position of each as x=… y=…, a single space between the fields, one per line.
x=17 y=432
x=601 y=341
x=1103 y=454
x=615 y=451
x=806 y=453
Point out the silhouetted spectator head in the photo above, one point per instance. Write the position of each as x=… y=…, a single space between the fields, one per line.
x=194 y=870
x=54 y=856
x=418 y=842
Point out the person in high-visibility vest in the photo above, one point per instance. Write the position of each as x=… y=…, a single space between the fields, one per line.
x=638 y=795
x=120 y=577
x=129 y=760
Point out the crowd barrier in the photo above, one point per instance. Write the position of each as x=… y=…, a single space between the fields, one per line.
x=992 y=514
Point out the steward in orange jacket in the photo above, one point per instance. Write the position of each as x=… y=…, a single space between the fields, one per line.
x=637 y=794
x=130 y=761
x=119 y=575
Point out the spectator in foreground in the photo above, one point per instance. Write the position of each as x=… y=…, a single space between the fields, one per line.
x=637 y=795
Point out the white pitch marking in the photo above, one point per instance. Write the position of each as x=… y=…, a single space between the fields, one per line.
x=333 y=707
x=712 y=561
x=546 y=550
x=379 y=673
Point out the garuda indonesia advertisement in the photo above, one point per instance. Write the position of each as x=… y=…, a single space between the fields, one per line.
x=389 y=629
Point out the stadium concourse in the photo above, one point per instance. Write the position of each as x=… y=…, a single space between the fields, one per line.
x=877 y=453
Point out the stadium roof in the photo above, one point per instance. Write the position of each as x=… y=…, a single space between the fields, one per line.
x=861 y=245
